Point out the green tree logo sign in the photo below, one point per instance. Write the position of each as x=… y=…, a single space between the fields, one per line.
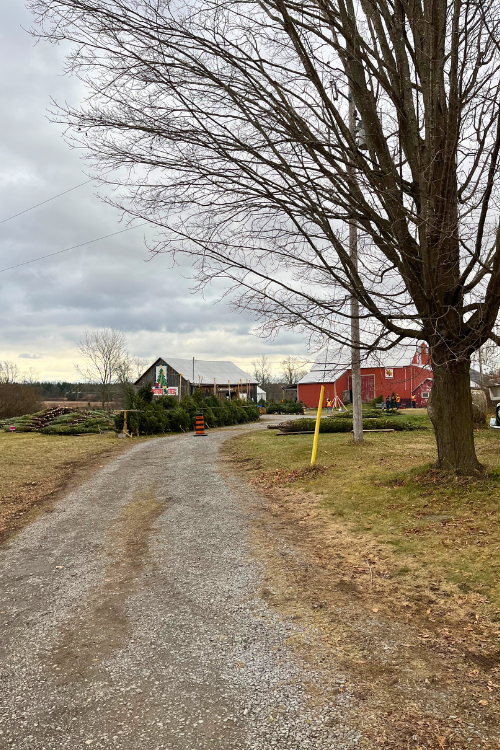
x=161 y=380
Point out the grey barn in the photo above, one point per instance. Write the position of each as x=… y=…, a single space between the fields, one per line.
x=220 y=378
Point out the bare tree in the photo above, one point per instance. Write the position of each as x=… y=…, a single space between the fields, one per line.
x=292 y=370
x=139 y=366
x=17 y=392
x=106 y=360
x=234 y=118
x=17 y=399
x=9 y=372
x=130 y=368
x=262 y=371
x=31 y=376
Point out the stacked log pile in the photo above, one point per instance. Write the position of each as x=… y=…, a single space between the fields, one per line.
x=287 y=426
x=46 y=417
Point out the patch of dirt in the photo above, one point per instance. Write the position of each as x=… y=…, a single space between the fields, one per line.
x=102 y=626
x=423 y=677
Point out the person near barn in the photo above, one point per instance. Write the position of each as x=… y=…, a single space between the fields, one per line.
x=413 y=402
x=387 y=403
x=398 y=401
x=328 y=406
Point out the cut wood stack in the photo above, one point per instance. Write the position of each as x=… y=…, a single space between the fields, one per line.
x=287 y=426
x=45 y=418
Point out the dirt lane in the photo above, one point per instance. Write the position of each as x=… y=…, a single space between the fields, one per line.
x=130 y=618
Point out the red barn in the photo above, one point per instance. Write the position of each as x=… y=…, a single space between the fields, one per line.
x=413 y=379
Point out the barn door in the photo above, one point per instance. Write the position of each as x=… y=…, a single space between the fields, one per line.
x=367 y=388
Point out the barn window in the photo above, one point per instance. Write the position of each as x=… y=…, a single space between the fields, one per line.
x=425 y=394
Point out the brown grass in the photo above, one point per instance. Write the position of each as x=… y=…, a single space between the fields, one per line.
x=34 y=468
x=396 y=565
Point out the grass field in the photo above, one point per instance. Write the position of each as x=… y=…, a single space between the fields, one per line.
x=384 y=491
x=33 y=467
x=394 y=568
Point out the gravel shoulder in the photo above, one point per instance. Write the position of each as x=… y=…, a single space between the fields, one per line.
x=132 y=617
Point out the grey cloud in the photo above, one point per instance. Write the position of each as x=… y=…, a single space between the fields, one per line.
x=46 y=305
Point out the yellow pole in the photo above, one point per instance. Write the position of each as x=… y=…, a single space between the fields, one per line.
x=316 y=430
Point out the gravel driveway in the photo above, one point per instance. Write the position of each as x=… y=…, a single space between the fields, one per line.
x=130 y=618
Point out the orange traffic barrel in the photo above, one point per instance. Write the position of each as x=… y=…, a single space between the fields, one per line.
x=199 y=426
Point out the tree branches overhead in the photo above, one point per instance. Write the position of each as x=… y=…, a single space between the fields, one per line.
x=230 y=123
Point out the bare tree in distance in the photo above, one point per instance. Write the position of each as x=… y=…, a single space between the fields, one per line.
x=31 y=376
x=292 y=370
x=486 y=360
x=9 y=372
x=18 y=394
x=231 y=124
x=140 y=365
x=262 y=371
x=130 y=369
x=105 y=357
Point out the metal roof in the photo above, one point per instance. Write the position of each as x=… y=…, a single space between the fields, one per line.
x=326 y=371
x=206 y=371
x=322 y=372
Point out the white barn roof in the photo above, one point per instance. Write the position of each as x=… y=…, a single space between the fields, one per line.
x=206 y=371
x=326 y=371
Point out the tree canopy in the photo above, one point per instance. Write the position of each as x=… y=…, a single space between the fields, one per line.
x=226 y=126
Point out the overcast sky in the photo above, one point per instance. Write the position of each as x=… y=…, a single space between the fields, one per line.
x=48 y=304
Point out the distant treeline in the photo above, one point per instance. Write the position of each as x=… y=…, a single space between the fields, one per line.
x=62 y=389
x=17 y=399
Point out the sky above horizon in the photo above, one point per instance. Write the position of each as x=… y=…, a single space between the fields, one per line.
x=48 y=304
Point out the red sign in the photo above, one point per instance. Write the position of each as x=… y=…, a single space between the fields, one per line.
x=158 y=391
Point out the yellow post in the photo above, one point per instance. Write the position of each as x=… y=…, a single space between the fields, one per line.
x=316 y=430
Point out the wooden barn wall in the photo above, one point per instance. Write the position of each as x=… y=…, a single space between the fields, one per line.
x=176 y=381
x=174 y=378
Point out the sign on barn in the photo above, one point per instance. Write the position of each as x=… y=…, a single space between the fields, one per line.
x=180 y=377
x=160 y=387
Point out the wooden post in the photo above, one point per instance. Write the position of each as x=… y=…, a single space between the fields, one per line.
x=125 y=433
x=180 y=386
x=316 y=429
x=229 y=389
x=215 y=388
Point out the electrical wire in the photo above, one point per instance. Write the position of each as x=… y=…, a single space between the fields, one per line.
x=47 y=201
x=89 y=242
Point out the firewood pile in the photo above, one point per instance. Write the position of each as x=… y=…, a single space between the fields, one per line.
x=287 y=426
x=61 y=420
x=47 y=417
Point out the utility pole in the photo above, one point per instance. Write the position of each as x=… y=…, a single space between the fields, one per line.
x=357 y=409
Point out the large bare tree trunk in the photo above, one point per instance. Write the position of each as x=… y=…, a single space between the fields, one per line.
x=411 y=159
x=450 y=410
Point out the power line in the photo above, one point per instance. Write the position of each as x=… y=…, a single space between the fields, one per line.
x=47 y=201
x=89 y=242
